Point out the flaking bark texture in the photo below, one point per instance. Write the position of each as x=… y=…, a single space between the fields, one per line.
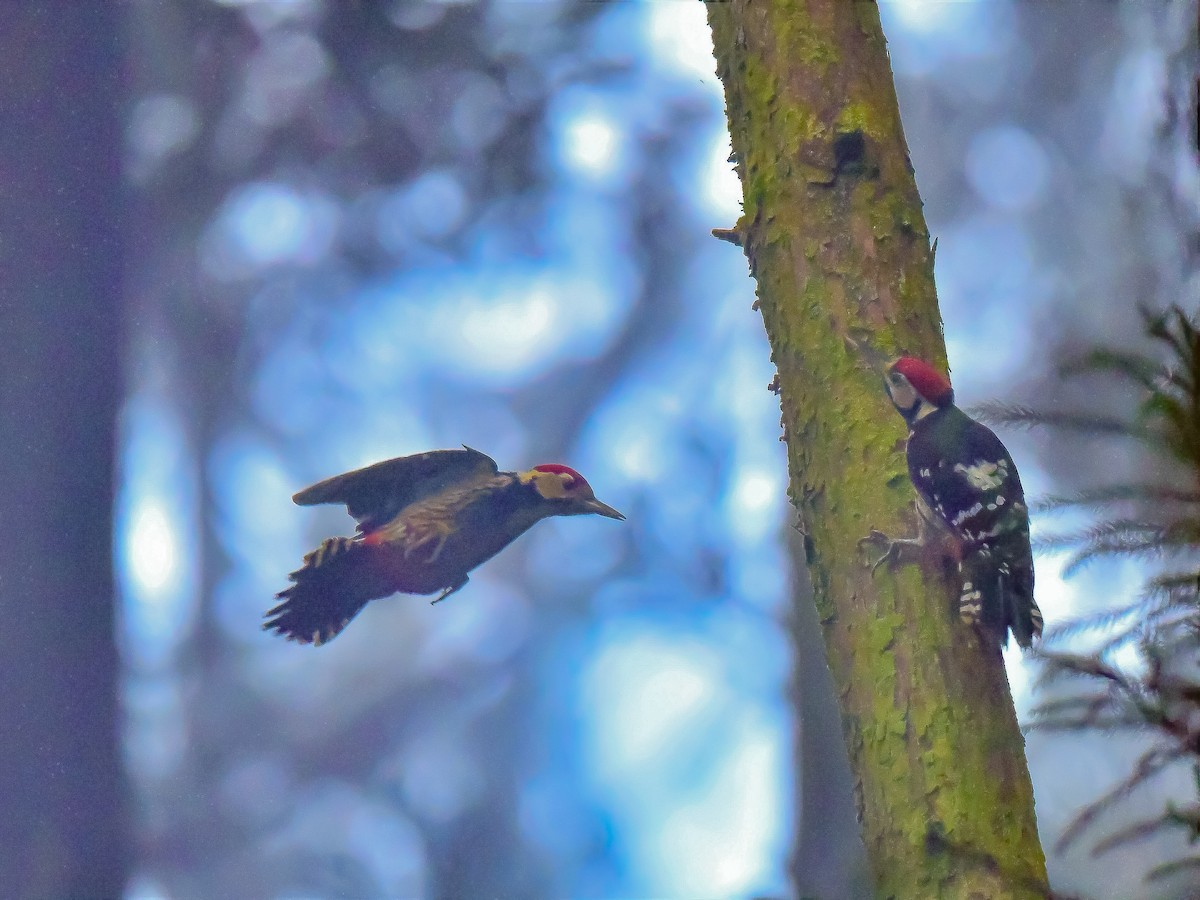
x=837 y=242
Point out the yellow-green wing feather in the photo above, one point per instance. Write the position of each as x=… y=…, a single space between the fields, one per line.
x=377 y=493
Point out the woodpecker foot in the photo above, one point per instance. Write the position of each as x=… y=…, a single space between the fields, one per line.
x=448 y=591
x=896 y=553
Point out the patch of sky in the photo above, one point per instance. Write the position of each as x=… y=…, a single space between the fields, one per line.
x=549 y=815
x=665 y=730
x=156 y=534
x=243 y=594
x=591 y=142
x=143 y=886
x=678 y=41
x=591 y=139
x=678 y=48
x=438 y=775
x=755 y=501
x=620 y=77
x=742 y=632
x=416 y=16
x=155 y=727
x=377 y=344
x=479 y=112
x=1008 y=168
x=726 y=842
x=756 y=496
x=291 y=389
x=739 y=506
x=487 y=421
x=657 y=590
x=647 y=694
x=525 y=29
x=429 y=207
x=647 y=426
x=496 y=326
x=590 y=236
x=332 y=823
x=1134 y=118
x=160 y=125
x=688 y=505
x=265 y=17
x=268 y=223
x=500 y=332
x=258 y=787
x=761 y=576
x=741 y=393
x=1102 y=585
x=720 y=188
x=288 y=65
x=255 y=520
x=703 y=173
x=924 y=35
x=633 y=424
x=984 y=272
x=592 y=547
x=355 y=433
x=486 y=624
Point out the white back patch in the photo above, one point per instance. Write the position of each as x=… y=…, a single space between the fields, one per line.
x=984 y=475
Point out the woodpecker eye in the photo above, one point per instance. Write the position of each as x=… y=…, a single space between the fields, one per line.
x=896 y=378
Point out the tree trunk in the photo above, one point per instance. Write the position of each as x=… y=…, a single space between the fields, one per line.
x=63 y=826
x=837 y=242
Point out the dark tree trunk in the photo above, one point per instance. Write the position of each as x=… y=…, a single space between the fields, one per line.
x=63 y=830
x=828 y=857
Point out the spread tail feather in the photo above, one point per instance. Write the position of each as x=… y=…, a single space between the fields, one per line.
x=997 y=595
x=327 y=592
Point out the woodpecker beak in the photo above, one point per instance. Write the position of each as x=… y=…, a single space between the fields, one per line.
x=600 y=509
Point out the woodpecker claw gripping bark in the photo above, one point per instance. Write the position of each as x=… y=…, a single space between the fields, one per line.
x=424 y=522
x=895 y=553
x=968 y=489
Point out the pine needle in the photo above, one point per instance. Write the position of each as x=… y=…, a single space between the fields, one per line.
x=1019 y=416
x=1162 y=694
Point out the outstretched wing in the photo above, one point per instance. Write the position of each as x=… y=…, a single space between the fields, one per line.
x=376 y=494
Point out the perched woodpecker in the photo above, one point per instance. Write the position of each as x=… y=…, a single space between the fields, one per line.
x=968 y=490
x=424 y=522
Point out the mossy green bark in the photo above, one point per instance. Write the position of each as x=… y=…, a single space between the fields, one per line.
x=837 y=242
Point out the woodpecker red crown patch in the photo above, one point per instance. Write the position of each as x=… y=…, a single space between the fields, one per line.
x=928 y=381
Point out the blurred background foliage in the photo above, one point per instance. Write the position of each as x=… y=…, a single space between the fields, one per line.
x=359 y=230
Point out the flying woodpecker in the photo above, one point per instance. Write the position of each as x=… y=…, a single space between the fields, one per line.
x=424 y=522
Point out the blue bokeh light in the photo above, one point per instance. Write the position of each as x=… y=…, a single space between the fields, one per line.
x=1008 y=167
x=156 y=540
x=666 y=728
